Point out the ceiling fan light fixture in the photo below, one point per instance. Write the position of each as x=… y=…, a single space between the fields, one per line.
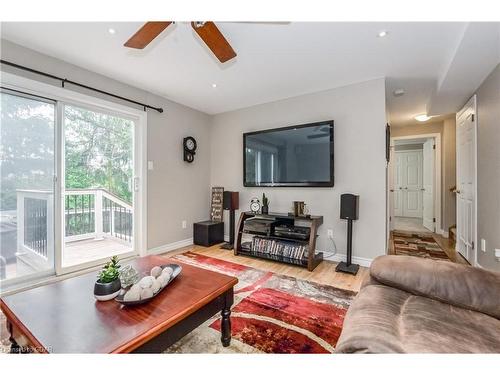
x=199 y=24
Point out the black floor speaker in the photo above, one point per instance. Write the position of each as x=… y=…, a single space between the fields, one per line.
x=349 y=211
x=231 y=203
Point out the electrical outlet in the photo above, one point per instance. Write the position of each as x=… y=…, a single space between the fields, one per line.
x=483 y=245
x=184 y=224
x=329 y=233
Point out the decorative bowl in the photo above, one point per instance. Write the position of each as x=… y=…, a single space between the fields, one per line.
x=176 y=270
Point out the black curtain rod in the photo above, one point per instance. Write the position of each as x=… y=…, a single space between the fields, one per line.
x=64 y=81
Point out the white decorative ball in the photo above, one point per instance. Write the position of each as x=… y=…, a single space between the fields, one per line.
x=136 y=288
x=156 y=286
x=167 y=271
x=163 y=279
x=132 y=295
x=146 y=282
x=156 y=271
x=146 y=293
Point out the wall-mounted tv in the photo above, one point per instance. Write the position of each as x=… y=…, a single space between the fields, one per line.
x=300 y=155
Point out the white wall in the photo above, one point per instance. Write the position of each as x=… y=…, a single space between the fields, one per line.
x=359 y=114
x=176 y=190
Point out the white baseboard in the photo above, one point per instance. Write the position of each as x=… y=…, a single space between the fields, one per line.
x=365 y=262
x=170 y=247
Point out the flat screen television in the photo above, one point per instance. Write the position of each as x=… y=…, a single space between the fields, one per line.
x=300 y=155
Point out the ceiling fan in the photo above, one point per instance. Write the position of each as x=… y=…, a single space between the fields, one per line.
x=207 y=31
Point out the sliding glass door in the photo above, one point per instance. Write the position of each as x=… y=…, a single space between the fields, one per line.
x=98 y=196
x=70 y=187
x=27 y=169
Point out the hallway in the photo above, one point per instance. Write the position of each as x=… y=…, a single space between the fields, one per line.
x=413 y=224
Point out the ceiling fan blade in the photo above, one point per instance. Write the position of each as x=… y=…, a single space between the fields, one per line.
x=146 y=34
x=214 y=39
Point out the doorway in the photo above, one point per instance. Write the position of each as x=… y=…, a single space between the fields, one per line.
x=466 y=190
x=414 y=183
x=98 y=172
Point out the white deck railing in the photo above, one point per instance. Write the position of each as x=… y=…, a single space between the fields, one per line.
x=88 y=213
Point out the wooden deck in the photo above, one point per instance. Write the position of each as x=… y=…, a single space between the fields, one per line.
x=84 y=251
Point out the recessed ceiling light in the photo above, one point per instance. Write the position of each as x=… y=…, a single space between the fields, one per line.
x=398 y=92
x=382 y=33
x=214 y=85
x=422 y=118
x=111 y=31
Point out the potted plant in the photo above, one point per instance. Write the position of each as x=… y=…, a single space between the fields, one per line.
x=265 y=204
x=108 y=283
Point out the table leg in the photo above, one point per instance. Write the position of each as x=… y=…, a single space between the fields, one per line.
x=225 y=328
x=14 y=346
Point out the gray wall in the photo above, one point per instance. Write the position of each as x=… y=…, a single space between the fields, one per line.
x=488 y=171
x=359 y=114
x=176 y=190
x=448 y=162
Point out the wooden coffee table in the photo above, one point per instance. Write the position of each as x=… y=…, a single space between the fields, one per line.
x=64 y=317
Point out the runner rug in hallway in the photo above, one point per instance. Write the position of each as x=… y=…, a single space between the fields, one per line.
x=271 y=313
x=417 y=244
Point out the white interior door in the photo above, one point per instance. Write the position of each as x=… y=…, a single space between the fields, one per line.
x=410 y=183
x=428 y=184
x=398 y=185
x=466 y=181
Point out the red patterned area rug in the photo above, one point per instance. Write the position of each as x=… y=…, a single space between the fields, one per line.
x=271 y=314
x=417 y=244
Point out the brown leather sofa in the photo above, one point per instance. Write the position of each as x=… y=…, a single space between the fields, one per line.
x=415 y=305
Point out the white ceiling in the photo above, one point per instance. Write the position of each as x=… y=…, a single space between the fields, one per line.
x=274 y=61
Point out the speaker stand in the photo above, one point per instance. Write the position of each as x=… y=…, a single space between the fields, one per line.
x=347 y=266
x=230 y=245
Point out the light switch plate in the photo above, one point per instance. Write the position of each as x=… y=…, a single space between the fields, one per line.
x=497 y=254
x=150 y=165
x=483 y=245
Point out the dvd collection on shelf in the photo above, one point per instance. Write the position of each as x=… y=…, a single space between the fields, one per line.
x=277 y=247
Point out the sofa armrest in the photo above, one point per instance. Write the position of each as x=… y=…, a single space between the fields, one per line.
x=456 y=284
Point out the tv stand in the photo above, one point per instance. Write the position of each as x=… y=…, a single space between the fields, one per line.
x=298 y=249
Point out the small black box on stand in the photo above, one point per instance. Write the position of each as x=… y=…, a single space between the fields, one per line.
x=349 y=210
x=208 y=233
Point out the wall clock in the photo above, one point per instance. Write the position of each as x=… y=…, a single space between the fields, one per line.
x=255 y=205
x=189 y=145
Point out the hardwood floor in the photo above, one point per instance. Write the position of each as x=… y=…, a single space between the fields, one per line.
x=446 y=244
x=323 y=274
